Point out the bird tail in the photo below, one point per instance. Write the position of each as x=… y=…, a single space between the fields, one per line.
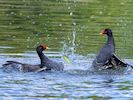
x=130 y=65
x=11 y=62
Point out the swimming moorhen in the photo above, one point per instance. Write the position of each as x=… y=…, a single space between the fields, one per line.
x=106 y=58
x=46 y=63
x=106 y=52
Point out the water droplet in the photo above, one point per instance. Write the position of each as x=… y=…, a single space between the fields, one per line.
x=122 y=3
x=12 y=13
x=18 y=27
x=71 y=13
x=75 y=1
x=69 y=7
x=88 y=20
x=40 y=14
x=10 y=23
x=125 y=24
x=28 y=39
x=92 y=16
x=60 y=24
x=28 y=16
x=37 y=43
x=33 y=23
x=74 y=23
x=14 y=36
x=7 y=14
x=100 y=12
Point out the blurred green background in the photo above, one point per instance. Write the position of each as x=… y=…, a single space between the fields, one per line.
x=65 y=25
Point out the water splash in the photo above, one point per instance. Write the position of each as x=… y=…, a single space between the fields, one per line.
x=69 y=49
x=73 y=42
x=71 y=13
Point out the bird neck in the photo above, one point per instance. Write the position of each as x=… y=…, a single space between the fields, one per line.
x=110 y=40
x=42 y=57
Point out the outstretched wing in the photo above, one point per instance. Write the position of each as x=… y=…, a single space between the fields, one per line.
x=116 y=61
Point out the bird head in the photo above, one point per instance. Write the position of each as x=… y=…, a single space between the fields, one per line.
x=106 y=31
x=42 y=47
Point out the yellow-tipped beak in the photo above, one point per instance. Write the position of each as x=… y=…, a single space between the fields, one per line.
x=47 y=47
x=101 y=33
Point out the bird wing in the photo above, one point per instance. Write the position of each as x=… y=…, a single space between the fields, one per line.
x=41 y=69
x=13 y=62
x=104 y=56
x=115 y=60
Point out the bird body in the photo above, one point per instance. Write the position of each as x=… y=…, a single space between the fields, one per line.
x=11 y=66
x=46 y=64
x=106 y=52
x=106 y=58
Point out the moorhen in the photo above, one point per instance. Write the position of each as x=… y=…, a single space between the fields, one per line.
x=46 y=64
x=106 y=58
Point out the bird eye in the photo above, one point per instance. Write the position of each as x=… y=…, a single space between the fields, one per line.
x=105 y=31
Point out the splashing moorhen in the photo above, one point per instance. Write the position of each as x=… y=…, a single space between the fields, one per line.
x=106 y=58
x=46 y=64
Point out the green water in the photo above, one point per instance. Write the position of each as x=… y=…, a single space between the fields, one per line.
x=27 y=23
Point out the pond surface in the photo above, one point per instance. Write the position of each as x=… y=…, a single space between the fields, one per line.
x=70 y=28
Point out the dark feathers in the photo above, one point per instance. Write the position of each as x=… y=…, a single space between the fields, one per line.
x=46 y=64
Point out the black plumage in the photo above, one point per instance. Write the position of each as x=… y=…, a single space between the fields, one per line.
x=46 y=64
x=107 y=51
x=106 y=58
